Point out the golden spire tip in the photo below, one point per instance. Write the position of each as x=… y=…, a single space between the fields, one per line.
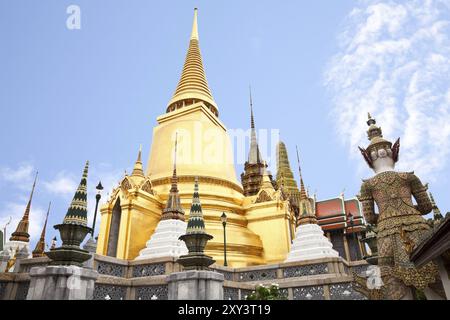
x=194 y=34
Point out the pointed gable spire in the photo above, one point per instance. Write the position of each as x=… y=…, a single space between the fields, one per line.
x=196 y=224
x=40 y=245
x=266 y=183
x=193 y=86
x=173 y=209
x=284 y=168
x=254 y=156
x=303 y=194
x=21 y=233
x=194 y=33
x=77 y=212
x=138 y=169
x=437 y=216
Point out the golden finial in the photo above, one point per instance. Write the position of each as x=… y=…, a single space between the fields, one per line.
x=138 y=170
x=193 y=86
x=194 y=34
x=252 y=120
x=303 y=194
x=370 y=120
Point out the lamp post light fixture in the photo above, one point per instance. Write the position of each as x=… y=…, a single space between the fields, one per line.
x=99 y=188
x=223 y=218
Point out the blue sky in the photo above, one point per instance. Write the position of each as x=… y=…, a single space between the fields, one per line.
x=315 y=67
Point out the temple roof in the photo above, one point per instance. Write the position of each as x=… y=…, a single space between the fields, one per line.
x=329 y=207
x=193 y=85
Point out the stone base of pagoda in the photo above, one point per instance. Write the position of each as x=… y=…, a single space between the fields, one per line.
x=61 y=283
x=195 y=285
x=164 y=242
x=310 y=243
x=12 y=247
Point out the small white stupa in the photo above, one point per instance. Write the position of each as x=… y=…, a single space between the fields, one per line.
x=164 y=242
x=310 y=241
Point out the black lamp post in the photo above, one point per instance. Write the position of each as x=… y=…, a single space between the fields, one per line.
x=223 y=218
x=99 y=188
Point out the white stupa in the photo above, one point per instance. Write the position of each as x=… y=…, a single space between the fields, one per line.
x=164 y=242
x=310 y=241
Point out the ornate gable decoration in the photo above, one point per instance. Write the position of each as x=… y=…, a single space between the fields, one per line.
x=126 y=184
x=147 y=187
x=263 y=196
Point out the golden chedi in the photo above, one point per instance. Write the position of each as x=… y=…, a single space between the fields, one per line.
x=259 y=228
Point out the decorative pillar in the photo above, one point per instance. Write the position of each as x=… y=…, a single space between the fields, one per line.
x=66 y=278
x=346 y=249
x=20 y=255
x=362 y=248
x=197 y=282
x=4 y=258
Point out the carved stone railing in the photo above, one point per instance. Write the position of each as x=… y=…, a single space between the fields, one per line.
x=322 y=279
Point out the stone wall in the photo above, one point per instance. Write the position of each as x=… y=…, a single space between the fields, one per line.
x=322 y=279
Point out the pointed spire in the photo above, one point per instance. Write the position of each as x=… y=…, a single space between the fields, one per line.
x=40 y=246
x=306 y=208
x=193 y=86
x=252 y=120
x=138 y=169
x=437 y=216
x=196 y=224
x=266 y=182
x=194 y=33
x=303 y=194
x=374 y=133
x=174 y=175
x=254 y=156
x=77 y=212
x=370 y=120
x=173 y=209
x=21 y=233
x=285 y=176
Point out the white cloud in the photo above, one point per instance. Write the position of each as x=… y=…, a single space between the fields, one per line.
x=394 y=61
x=64 y=184
x=21 y=177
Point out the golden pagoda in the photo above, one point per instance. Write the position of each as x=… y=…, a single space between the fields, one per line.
x=259 y=226
x=285 y=177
